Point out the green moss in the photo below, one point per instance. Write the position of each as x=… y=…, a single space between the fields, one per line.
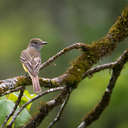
x=119 y=30
x=98 y=49
x=21 y=81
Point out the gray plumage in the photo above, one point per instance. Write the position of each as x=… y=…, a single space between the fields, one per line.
x=31 y=60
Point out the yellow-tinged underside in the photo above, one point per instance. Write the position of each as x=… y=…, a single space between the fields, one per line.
x=26 y=70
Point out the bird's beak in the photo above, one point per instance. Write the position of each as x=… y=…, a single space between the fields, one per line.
x=43 y=43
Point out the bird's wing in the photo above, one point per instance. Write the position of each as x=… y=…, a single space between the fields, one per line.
x=31 y=62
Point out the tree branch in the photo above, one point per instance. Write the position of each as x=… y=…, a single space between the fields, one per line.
x=100 y=107
x=106 y=66
x=96 y=51
x=91 y=55
x=63 y=51
x=12 y=90
x=79 y=69
x=30 y=101
x=46 y=108
x=58 y=116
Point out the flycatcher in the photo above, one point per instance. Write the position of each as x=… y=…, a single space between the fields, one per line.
x=31 y=61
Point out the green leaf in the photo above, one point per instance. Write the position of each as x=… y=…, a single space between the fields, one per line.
x=12 y=96
x=25 y=98
x=23 y=117
x=6 y=106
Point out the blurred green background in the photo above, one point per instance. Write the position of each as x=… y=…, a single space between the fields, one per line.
x=61 y=23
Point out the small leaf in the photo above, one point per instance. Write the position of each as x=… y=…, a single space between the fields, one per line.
x=12 y=96
x=25 y=98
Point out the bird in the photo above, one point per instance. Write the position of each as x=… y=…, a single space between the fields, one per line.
x=31 y=61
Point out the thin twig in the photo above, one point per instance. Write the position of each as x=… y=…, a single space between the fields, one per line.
x=98 y=68
x=58 y=116
x=13 y=90
x=46 y=108
x=15 y=107
x=63 y=51
x=33 y=99
x=105 y=66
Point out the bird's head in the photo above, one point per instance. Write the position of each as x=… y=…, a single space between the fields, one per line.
x=37 y=43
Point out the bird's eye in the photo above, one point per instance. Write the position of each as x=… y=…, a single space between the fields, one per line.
x=34 y=42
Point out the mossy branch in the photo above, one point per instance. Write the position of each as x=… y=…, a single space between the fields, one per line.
x=91 y=54
x=78 y=70
x=96 y=51
x=96 y=112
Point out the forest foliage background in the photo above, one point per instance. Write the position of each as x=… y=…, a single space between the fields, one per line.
x=61 y=23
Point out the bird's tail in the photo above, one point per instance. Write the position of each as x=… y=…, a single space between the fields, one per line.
x=36 y=84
